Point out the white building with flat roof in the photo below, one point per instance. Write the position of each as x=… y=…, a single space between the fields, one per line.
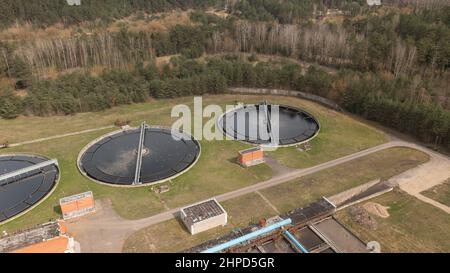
x=74 y=2
x=374 y=2
x=203 y=215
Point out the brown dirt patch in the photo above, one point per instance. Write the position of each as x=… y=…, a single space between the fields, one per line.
x=359 y=215
x=376 y=209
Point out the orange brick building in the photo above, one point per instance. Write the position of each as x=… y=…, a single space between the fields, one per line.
x=250 y=157
x=77 y=205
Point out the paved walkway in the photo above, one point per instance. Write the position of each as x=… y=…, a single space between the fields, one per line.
x=425 y=176
x=59 y=136
x=268 y=202
x=433 y=202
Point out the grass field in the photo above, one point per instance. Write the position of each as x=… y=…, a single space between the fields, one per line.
x=413 y=226
x=440 y=193
x=333 y=138
x=382 y=164
x=172 y=235
x=215 y=172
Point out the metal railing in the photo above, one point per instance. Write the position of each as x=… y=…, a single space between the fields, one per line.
x=28 y=169
x=137 y=173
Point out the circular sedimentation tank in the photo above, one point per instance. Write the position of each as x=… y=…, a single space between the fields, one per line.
x=24 y=189
x=257 y=123
x=139 y=156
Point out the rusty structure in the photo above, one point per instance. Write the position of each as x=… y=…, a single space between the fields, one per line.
x=308 y=232
x=49 y=237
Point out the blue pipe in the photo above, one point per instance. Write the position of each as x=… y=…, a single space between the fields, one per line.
x=295 y=241
x=247 y=237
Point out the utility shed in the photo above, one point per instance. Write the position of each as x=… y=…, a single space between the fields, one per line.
x=74 y=2
x=374 y=2
x=251 y=157
x=77 y=205
x=203 y=216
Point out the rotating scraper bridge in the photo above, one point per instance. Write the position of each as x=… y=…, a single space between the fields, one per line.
x=256 y=124
x=137 y=173
x=142 y=156
x=25 y=181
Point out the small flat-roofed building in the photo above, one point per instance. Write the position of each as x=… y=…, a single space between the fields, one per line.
x=77 y=205
x=251 y=156
x=203 y=216
x=374 y=2
x=74 y=2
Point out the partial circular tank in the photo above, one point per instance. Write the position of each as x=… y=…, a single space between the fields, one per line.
x=22 y=191
x=258 y=123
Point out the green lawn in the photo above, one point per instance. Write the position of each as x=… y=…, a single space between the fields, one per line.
x=339 y=135
x=216 y=171
x=247 y=209
x=28 y=128
x=440 y=193
x=172 y=236
x=382 y=164
x=413 y=226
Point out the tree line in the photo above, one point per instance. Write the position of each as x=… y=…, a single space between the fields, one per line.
x=389 y=65
x=401 y=44
x=49 y=12
x=383 y=99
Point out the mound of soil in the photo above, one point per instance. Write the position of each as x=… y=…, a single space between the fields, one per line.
x=376 y=209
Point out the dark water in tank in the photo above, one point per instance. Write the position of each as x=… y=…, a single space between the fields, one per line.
x=19 y=193
x=113 y=159
x=250 y=123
